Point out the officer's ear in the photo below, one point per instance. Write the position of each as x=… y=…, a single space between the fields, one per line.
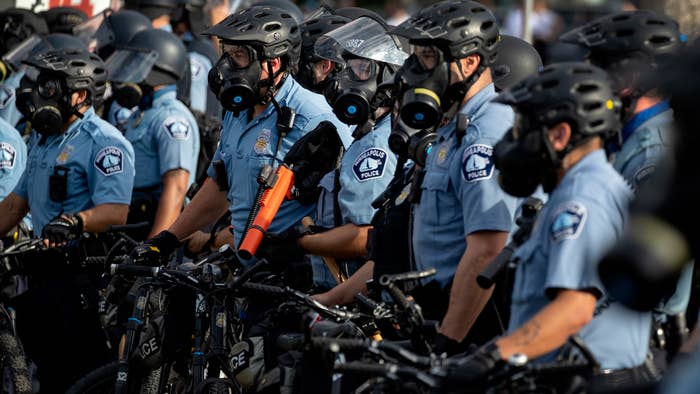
x=469 y=64
x=276 y=64
x=559 y=136
x=79 y=97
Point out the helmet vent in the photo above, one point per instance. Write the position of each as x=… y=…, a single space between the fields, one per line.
x=655 y=22
x=585 y=88
x=592 y=106
x=272 y=27
x=286 y=16
x=550 y=84
x=659 y=40
x=261 y=15
x=477 y=10
x=487 y=25
x=457 y=23
x=624 y=32
x=447 y=10
x=620 y=18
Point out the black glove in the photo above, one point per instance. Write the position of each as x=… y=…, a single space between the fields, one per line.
x=155 y=250
x=444 y=344
x=63 y=228
x=474 y=368
x=282 y=248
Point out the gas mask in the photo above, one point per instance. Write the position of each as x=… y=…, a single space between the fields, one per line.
x=235 y=78
x=526 y=159
x=51 y=103
x=351 y=92
x=405 y=141
x=24 y=92
x=306 y=77
x=129 y=94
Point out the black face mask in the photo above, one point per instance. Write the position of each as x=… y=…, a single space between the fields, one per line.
x=352 y=98
x=306 y=78
x=526 y=162
x=413 y=144
x=128 y=95
x=52 y=108
x=421 y=92
x=236 y=88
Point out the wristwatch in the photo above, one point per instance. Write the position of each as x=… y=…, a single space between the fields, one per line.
x=517 y=360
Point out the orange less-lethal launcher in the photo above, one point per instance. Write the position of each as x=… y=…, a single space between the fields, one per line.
x=279 y=186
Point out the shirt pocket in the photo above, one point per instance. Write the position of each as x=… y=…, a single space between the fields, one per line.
x=438 y=207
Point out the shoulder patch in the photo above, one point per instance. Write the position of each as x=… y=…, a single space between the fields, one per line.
x=109 y=161
x=177 y=128
x=369 y=164
x=197 y=68
x=569 y=221
x=477 y=163
x=7 y=155
x=643 y=174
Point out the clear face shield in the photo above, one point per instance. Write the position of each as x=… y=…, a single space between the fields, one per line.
x=130 y=65
x=363 y=38
x=95 y=32
x=32 y=45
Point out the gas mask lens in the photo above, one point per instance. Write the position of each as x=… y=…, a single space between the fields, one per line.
x=49 y=88
x=427 y=56
x=360 y=69
x=240 y=55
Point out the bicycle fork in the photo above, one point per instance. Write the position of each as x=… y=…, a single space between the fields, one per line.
x=133 y=330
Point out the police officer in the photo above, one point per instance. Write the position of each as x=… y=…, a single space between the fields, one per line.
x=13 y=157
x=253 y=84
x=633 y=59
x=517 y=59
x=313 y=70
x=63 y=19
x=17 y=25
x=162 y=130
x=21 y=101
x=368 y=165
x=565 y=114
x=78 y=178
x=114 y=30
x=463 y=218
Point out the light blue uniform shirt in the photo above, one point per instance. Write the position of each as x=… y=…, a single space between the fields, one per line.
x=8 y=98
x=13 y=158
x=460 y=191
x=583 y=218
x=118 y=116
x=647 y=141
x=366 y=169
x=646 y=138
x=165 y=137
x=246 y=146
x=199 y=66
x=100 y=163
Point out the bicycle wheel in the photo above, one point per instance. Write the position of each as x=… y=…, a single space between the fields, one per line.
x=101 y=381
x=13 y=366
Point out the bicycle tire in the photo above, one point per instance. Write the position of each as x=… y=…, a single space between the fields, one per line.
x=101 y=381
x=15 y=377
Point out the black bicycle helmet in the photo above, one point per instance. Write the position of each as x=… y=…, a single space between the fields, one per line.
x=577 y=93
x=117 y=29
x=171 y=63
x=78 y=67
x=272 y=31
x=16 y=24
x=517 y=60
x=63 y=19
x=312 y=29
x=286 y=5
x=458 y=28
x=643 y=34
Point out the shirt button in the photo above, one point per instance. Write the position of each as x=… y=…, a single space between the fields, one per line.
x=239 y=156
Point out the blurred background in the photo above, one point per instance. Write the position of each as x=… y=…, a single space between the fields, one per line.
x=537 y=21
